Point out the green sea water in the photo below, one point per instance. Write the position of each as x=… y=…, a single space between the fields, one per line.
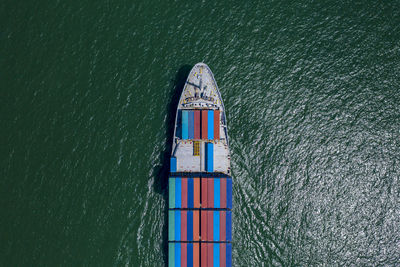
x=88 y=91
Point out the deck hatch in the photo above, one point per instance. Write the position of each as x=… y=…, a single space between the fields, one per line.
x=196 y=148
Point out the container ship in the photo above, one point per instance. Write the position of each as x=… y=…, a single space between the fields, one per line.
x=200 y=182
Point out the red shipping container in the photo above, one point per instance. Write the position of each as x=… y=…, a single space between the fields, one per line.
x=223 y=192
x=210 y=192
x=216 y=124
x=222 y=255
x=204 y=203
x=203 y=225
x=204 y=255
x=196 y=192
x=183 y=255
x=184 y=192
x=184 y=225
x=210 y=225
x=210 y=256
x=204 y=133
x=222 y=226
x=197 y=124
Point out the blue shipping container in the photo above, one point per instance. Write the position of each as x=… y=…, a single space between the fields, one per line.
x=216 y=226
x=216 y=255
x=210 y=126
x=177 y=254
x=173 y=164
x=178 y=193
x=229 y=193
x=189 y=254
x=178 y=225
x=228 y=255
x=185 y=121
x=191 y=124
x=190 y=193
x=229 y=226
x=217 y=193
x=190 y=225
x=209 y=157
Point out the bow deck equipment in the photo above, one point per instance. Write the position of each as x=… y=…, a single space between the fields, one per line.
x=200 y=185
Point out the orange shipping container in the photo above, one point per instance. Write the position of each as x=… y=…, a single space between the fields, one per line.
x=196 y=252
x=196 y=225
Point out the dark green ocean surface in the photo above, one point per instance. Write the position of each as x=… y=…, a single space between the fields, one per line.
x=87 y=99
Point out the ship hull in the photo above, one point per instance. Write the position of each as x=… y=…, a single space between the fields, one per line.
x=200 y=183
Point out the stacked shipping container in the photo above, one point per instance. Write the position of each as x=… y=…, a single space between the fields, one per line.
x=200 y=221
x=184 y=192
x=188 y=254
x=196 y=225
x=196 y=124
x=216 y=193
x=200 y=218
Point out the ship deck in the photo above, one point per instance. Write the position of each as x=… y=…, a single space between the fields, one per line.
x=201 y=95
x=200 y=185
